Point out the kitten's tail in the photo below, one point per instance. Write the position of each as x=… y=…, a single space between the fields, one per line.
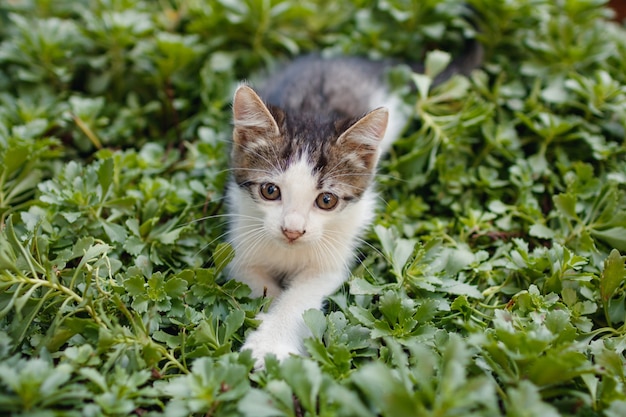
x=470 y=59
x=471 y=56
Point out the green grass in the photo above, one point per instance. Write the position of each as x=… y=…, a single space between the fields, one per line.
x=493 y=281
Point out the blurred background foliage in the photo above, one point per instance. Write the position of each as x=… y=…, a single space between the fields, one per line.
x=491 y=284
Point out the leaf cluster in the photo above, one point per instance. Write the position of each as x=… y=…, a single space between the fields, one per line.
x=493 y=280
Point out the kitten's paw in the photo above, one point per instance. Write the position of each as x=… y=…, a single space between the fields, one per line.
x=261 y=345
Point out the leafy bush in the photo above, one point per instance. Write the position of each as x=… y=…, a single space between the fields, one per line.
x=493 y=282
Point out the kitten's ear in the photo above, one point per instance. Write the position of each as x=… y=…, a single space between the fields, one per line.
x=251 y=117
x=365 y=135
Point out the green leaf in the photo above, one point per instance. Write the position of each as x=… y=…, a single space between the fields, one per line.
x=491 y=280
x=115 y=232
x=305 y=378
x=316 y=322
x=436 y=62
x=613 y=275
x=616 y=409
x=135 y=285
x=525 y=401
x=566 y=204
x=175 y=287
x=233 y=322
x=105 y=176
x=360 y=286
x=541 y=231
x=558 y=367
x=615 y=237
x=396 y=249
x=94 y=251
x=258 y=403
x=222 y=256
x=388 y=394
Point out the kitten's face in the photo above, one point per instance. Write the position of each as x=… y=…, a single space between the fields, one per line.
x=297 y=204
x=301 y=176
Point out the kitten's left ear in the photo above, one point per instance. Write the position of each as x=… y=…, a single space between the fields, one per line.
x=253 y=121
x=365 y=135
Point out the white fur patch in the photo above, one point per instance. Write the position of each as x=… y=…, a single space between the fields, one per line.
x=314 y=265
x=329 y=238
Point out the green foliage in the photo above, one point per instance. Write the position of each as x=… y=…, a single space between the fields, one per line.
x=493 y=280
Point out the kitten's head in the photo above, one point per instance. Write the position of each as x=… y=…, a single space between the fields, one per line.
x=302 y=175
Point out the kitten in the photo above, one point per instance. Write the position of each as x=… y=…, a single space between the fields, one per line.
x=303 y=160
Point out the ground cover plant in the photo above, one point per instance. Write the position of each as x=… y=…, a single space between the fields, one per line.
x=492 y=282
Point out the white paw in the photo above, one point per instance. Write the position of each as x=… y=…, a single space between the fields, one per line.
x=263 y=343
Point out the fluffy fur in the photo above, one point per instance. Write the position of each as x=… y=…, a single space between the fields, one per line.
x=303 y=161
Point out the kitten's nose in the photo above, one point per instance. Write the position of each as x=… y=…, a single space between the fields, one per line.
x=292 y=235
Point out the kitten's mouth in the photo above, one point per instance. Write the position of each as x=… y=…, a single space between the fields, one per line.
x=292 y=236
x=292 y=242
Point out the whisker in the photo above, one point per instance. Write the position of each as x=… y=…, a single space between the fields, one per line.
x=373 y=175
x=204 y=247
x=237 y=230
x=255 y=238
x=330 y=234
x=233 y=169
x=255 y=235
x=218 y=216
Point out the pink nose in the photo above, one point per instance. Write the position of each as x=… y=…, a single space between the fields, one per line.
x=292 y=235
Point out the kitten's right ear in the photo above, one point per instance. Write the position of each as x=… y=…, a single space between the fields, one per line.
x=364 y=136
x=252 y=118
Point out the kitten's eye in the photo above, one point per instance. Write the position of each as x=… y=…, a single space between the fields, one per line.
x=326 y=201
x=269 y=191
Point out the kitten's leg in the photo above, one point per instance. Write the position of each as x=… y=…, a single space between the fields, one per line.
x=283 y=327
x=259 y=281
